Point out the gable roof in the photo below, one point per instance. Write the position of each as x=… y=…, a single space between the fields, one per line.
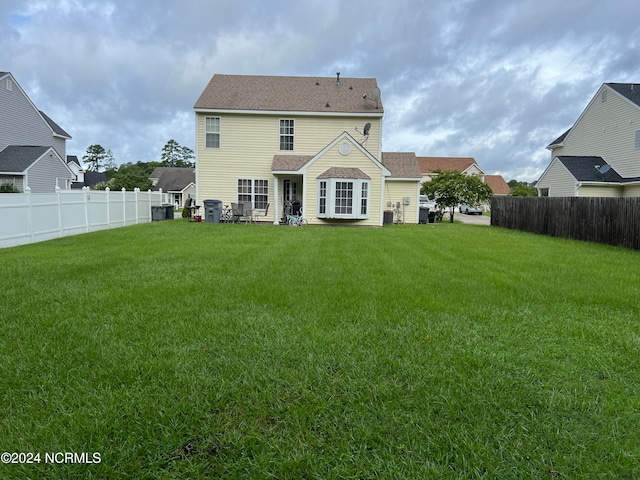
x=73 y=159
x=402 y=164
x=583 y=169
x=497 y=184
x=57 y=129
x=431 y=164
x=631 y=91
x=175 y=179
x=18 y=158
x=289 y=94
x=344 y=172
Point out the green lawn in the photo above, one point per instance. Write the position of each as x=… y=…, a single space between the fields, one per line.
x=184 y=350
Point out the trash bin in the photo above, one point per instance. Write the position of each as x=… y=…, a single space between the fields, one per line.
x=424 y=214
x=387 y=217
x=168 y=211
x=432 y=217
x=212 y=210
x=158 y=213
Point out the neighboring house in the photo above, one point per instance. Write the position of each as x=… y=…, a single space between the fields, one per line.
x=178 y=183
x=599 y=156
x=82 y=177
x=466 y=165
x=301 y=142
x=39 y=168
x=32 y=145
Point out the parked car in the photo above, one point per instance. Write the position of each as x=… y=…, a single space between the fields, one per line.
x=469 y=209
x=430 y=204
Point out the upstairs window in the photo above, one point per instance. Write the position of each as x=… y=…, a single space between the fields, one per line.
x=286 y=134
x=212 y=132
x=637 y=138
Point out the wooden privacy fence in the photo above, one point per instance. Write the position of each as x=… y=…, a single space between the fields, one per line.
x=613 y=221
x=34 y=217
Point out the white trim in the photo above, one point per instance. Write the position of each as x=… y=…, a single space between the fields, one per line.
x=339 y=138
x=284 y=113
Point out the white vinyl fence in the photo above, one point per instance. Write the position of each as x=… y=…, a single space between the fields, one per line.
x=35 y=217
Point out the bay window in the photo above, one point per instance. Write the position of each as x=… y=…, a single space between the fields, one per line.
x=343 y=198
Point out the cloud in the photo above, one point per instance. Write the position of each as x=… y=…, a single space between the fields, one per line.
x=493 y=79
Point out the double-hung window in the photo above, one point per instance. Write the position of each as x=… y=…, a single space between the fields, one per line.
x=255 y=191
x=343 y=198
x=212 y=132
x=286 y=133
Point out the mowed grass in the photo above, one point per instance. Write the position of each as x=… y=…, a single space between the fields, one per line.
x=181 y=350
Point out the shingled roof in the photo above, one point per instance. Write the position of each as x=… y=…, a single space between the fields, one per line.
x=497 y=184
x=290 y=94
x=584 y=169
x=401 y=164
x=431 y=164
x=631 y=91
x=17 y=158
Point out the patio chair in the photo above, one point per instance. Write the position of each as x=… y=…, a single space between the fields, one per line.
x=260 y=213
x=237 y=212
x=247 y=212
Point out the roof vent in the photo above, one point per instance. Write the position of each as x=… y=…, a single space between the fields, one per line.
x=327 y=105
x=337 y=79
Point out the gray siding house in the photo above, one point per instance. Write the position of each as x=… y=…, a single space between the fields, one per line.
x=32 y=145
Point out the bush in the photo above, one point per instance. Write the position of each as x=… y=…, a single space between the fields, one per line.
x=8 y=188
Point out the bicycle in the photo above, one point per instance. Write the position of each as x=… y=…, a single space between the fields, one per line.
x=226 y=216
x=297 y=220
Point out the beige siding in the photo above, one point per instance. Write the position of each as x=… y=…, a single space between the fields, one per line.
x=607 y=129
x=396 y=190
x=558 y=180
x=600 y=191
x=248 y=144
x=355 y=159
x=631 y=191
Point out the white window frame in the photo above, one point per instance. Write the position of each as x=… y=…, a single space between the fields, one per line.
x=214 y=131
x=356 y=206
x=287 y=129
x=254 y=190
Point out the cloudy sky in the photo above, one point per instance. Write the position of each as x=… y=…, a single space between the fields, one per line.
x=497 y=80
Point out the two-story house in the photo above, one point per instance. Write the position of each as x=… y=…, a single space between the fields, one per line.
x=599 y=156
x=310 y=143
x=32 y=146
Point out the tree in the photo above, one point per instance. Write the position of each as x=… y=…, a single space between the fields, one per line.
x=175 y=155
x=451 y=187
x=128 y=176
x=94 y=156
x=524 y=190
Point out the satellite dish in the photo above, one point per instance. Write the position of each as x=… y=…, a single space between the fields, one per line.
x=365 y=132
x=604 y=169
x=375 y=94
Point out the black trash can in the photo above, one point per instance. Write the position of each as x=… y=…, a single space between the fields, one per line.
x=168 y=212
x=212 y=210
x=158 y=213
x=432 y=217
x=424 y=215
x=387 y=217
